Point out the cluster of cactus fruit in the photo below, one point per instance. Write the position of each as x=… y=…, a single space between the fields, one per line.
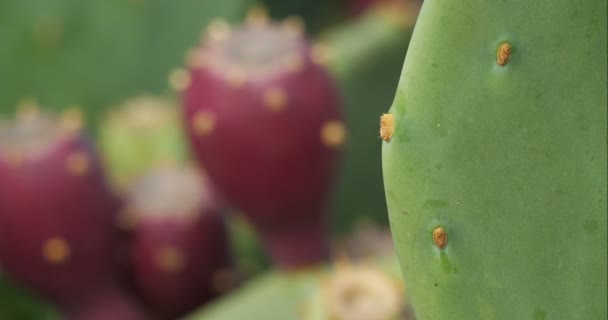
x=135 y=231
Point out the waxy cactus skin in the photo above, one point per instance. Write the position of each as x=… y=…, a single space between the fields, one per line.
x=56 y=214
x=179 y=250
x=264 y=120
x=495 y=170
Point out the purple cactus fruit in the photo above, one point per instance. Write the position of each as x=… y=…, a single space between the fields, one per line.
x=264 y=119
x=179 y=252
x=56 y=213
x=111 y=303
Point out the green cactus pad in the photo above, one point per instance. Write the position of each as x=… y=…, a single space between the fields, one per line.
x=499 y=138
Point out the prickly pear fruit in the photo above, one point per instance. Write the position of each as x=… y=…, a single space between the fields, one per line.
x=144 y=131
x=109 y=303
x=179 y=250
x=494 y=160
x=264 y=119
x=56 y=213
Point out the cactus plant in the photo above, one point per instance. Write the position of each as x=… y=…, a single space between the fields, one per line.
x=301 y=295
x=264 y=120
x=357 y=291
x=494 y=160
x=179 y=247
x=56 y=213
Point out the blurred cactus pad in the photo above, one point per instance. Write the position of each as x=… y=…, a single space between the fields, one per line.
x=320 y=293
x=494 y=160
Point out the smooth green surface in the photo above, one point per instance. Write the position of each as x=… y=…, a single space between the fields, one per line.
x=511 y=161
x=274 y=295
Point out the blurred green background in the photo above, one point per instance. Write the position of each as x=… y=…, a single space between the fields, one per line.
x=97 y=53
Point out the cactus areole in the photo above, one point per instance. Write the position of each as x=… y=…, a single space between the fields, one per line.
x=264 y=119
x=495 y=175
x=56 y=214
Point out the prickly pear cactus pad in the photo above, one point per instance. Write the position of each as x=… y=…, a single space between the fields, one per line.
x=494 y=160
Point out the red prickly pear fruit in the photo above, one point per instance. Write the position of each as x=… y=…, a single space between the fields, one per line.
x=264 y=119
x=56 y=212
x=111 y=303
x=179 y=253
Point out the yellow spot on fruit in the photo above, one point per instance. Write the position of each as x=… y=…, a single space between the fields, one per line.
x=320 y=54
x=218 y=30
x=440 y=237
x=56 y=250
x=275 y=99
x=203 y=123
x=179 y=79
x=503 y=54
x=257 y=16
x=387 y=126
x=294 y=26
x=333 y=133
x=170 y=259
x=78 y=163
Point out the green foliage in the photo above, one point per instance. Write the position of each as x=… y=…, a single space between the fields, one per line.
x=99 y=52
x=16 y=304
x=510 y=160
x=95 y=54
